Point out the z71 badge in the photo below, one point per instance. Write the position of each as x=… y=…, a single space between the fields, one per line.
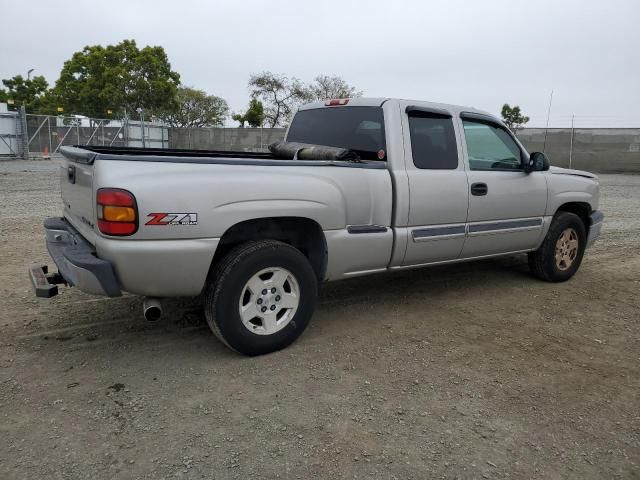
x=172 y=219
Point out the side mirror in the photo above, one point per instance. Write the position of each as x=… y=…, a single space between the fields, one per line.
x=538 y=162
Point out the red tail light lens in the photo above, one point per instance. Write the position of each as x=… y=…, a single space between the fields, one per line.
x=117 y=212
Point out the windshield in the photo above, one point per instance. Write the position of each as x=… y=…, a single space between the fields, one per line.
x=357 y=128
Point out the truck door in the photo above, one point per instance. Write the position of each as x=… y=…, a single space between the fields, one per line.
x=506 y=205
x=438 y=188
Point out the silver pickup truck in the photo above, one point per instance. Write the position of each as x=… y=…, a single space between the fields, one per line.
x=255 y=233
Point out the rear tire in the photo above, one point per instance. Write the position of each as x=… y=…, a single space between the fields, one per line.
x=561 y=252
x=261 y=297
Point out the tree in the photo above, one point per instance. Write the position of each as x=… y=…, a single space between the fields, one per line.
x=30 y=93
x=254 y=115
x=279 y=94
x=239 y=117
x=325 y=86
x=512 y=117
x=194 y=108
x=120 y=78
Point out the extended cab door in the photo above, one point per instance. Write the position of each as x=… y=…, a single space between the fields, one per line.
x=506 y=205
x=438 y=188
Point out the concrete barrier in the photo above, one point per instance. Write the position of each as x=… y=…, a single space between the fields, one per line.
x=238 y=139
x=599 y=150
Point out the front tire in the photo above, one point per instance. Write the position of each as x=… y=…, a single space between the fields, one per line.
x=261 y=297
x=561 y=252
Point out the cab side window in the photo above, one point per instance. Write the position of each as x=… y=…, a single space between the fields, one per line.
x=433 y=141
x=491 y=147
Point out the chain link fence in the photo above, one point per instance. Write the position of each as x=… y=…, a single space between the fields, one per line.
x=604 y=150
x=238 y=139
x=46 y=134
x=600 y=150
x=10 y=134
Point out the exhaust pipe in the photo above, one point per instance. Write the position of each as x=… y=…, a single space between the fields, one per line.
x=152 y=309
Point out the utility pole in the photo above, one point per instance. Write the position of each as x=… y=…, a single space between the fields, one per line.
x=546 y=128
x=29 y=74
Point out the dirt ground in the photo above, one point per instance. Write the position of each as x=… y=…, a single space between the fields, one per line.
x=467 y=371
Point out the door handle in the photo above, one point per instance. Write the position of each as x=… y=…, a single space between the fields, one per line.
x=479 y=189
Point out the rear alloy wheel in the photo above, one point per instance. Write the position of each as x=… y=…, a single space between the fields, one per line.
x=560 y=254
x=269 y=301
x=261 y=297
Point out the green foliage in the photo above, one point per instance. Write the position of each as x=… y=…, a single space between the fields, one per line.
x=120 y=78
x=324 y=87
x=254 y=115
x=32 y=93
x=194 y=108
x=279 y=94
x=282 y=95
x=512 y=117
x=238 y=117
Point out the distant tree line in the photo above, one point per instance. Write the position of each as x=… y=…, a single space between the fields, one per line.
x=125 y=81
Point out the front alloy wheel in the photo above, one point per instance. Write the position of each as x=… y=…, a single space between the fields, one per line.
x=560 y=254
x=566 y=249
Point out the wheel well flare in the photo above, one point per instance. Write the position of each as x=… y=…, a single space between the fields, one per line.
x=302 y=233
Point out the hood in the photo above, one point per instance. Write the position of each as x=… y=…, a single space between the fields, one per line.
x=569 y=171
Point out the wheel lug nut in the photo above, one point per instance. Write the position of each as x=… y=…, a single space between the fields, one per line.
x=264 y=292
x=263 y=309
x=277 y=298
x=259 y=301
x=273 y=307
x=273 y=290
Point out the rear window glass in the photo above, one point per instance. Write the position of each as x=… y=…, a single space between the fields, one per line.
x=433 y=142
x=357 y=128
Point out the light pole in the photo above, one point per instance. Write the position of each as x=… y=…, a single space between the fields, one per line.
x=29 y=74
x=141 y=112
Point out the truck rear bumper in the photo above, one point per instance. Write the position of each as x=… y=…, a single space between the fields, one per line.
x=76 y=261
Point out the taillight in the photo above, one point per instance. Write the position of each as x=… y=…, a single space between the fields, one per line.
x=334 y=102
x=117 y=212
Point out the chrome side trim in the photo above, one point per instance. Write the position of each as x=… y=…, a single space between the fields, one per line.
x=482 y=228
x=506 y=225
x=438 y=232
x=445 y=232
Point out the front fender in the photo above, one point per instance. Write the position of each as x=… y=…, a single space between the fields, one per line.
x=572 y=189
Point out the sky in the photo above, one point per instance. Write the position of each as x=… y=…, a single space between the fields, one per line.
x=474 y=53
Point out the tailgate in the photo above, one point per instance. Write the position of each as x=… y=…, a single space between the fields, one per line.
x=76 y=186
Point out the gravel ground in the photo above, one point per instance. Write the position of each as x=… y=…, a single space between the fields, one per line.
x=466 y=371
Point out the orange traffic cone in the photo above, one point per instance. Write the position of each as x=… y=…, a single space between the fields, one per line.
x=46 y=153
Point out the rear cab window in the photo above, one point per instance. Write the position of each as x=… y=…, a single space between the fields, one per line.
x=360 y=129
x=433 y=141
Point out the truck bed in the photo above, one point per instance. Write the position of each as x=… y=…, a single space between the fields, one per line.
x=88 y=154
x=174 y=152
